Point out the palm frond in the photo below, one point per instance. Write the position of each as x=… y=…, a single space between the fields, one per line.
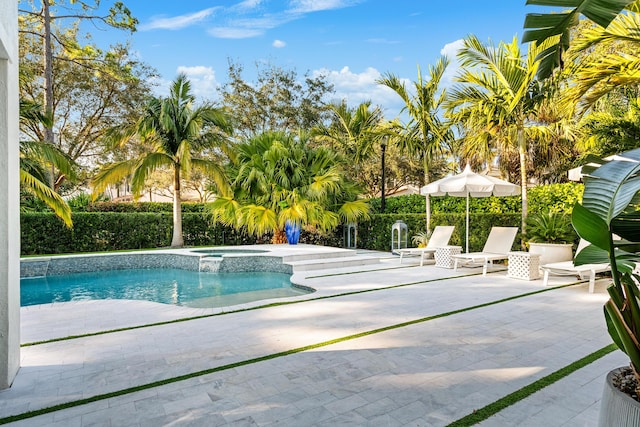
x=47 y=195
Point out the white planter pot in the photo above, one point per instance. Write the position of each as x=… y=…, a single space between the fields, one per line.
x=552 y=252
x=617 y=409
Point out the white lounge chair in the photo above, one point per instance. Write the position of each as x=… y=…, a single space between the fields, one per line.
x=497 y=247
x=568 y=268
x=439 y=238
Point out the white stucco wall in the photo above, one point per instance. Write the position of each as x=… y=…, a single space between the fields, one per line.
x=9 y=196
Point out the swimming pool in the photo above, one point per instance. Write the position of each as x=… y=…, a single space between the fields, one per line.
x=163 y=285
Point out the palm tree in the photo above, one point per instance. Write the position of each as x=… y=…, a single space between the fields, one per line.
x=606 y=59
x=176 y=132
x=495 y=98
x=354 y=132
x=425 y=135
x=557 y=26
x=277 y=177
x=35 y=157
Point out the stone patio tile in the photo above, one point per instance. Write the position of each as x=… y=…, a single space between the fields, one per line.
x=431 y=372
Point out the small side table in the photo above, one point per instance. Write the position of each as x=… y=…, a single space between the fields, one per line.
x=444 y=254
x=524 y=265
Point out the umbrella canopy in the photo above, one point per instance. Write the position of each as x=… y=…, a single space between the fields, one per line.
x=468 y=184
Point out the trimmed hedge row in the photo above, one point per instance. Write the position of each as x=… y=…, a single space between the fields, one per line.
x=376 y=233
x=44 y=233
x=553 y=197
x=141 y=207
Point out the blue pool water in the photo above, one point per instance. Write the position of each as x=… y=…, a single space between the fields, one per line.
x=167 y=286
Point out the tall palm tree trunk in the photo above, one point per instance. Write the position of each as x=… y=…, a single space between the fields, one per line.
x=177 y=241
x=425 y=166
x=522 y=151
x=48 y=82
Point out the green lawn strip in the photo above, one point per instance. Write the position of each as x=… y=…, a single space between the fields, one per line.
x=240 y=310
x=491 y=409
x=159 y=383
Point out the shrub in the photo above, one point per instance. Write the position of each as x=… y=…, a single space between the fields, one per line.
x=553 y=198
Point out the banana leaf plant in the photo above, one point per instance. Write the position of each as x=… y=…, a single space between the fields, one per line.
x=609 y=218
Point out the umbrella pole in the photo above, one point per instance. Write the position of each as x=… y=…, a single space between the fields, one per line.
x=467 y=242
x=428 y=214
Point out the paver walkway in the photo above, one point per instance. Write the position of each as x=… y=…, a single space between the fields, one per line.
x=423 y=372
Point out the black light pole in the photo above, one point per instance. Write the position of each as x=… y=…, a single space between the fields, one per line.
x=382 y=200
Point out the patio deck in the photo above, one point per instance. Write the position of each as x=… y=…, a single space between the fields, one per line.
x=383 y=344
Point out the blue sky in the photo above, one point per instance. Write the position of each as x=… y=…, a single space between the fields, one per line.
x=351 y=41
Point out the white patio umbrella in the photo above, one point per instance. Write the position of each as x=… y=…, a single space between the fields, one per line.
x=467 y=184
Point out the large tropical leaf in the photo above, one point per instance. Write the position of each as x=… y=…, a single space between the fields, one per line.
x=541 y=27
x=612 y=186
x=113 y=173
x=47 y=195
x=609 y=192
x=258 y=219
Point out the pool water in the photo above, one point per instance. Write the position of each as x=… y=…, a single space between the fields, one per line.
x=167 y=286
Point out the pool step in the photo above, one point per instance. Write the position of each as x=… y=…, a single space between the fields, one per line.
x=332 y=253
x=326 y=263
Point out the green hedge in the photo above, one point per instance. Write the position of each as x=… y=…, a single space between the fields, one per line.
x=118 y=226
x=142 y=207
x=376 y=233
x=554 y=197
x=43 y=233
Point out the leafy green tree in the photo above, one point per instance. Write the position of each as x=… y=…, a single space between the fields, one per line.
x=35 y=158
x=278 y=177
x=36 y=19
x=276 y=101
x=496 y=98
x=91 y=96
x=176 y=132
x=425 y=135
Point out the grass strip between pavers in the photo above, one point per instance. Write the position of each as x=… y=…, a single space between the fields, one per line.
x=240 y=310
x=491 y=409
x=122 y=392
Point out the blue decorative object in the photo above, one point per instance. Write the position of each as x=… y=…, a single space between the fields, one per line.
x=292 y=231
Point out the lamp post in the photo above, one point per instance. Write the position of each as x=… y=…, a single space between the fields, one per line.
x=383 y=145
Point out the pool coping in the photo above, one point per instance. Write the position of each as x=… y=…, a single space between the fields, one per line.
x=184 y=259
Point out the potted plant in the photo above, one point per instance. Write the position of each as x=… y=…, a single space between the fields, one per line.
x=420 y=239
x=609 y=210
x=550 y=235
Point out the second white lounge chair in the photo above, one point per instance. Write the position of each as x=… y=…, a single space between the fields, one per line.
x=439 y=238
x=568 y=268
x=497 y=247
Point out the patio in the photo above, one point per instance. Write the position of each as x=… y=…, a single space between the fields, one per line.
x=382 y=344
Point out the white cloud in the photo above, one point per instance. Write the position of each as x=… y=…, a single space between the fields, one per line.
x=359 y=87
x=279 y=43
x=234 y=32
x=160 y=86
x=248 y=4
x=450 y=50
x=177 y=22
x=246 y=19
x=203 y=81
x=306 y=6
